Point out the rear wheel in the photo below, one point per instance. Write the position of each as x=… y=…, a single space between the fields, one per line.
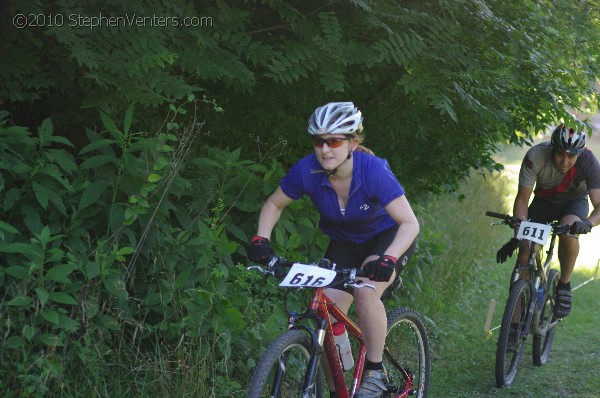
x=282 y=369
x=542 y=341
x=407 y=350
x=511 y=340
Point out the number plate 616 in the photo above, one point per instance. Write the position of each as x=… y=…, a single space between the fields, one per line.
x=302 y=275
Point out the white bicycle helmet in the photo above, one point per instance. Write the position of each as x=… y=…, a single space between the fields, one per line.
x=335 y=118
x=567 y=139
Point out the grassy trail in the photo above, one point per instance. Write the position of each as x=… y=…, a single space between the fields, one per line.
x=463 y=358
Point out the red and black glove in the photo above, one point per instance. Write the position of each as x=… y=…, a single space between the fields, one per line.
x=381 y=270
x=260 y=250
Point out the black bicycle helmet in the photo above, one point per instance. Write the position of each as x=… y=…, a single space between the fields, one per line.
x=567 y=139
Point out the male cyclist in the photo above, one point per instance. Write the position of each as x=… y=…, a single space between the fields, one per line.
x=561 y=174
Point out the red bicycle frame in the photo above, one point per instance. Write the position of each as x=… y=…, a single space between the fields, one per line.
x=324 y=307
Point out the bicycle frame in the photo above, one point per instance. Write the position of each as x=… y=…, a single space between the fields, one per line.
x=321 y=309
x=538 y=275
x=325 y=308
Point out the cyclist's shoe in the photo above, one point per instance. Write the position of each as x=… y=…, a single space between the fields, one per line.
x=564 y=298
x=373 y=384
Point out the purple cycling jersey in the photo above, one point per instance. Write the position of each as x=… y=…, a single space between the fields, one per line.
x=373 y=187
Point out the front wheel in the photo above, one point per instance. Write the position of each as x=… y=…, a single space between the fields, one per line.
x=281 y=370
x=511 y=340
x=542 y=342
x=407 y=354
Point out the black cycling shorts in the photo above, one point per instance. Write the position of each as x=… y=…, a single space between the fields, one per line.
x=352 y=255
x=544 y=211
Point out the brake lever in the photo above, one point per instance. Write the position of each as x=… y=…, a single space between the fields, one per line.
x=259 y=268
x=352 y=282
x=272 y=268
x=359 y=284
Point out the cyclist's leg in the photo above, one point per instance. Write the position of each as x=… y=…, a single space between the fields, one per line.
x=568 y=247
x=372 y=318
x=523 y=258
x=568 y=250
x=370 y=310
x=371 y=315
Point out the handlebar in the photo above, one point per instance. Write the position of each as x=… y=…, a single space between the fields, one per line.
x=513 y=222
x=277 y=266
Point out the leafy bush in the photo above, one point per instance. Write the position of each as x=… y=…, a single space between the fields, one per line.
x=122 y=250
x=437 y=98
x=124 y=261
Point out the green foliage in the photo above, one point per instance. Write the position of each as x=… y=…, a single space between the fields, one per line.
x=125 y=249
x=436 y=96
x=129 y=253
x=120 y=236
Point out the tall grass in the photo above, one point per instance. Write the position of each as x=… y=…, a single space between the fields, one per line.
x=458 y=223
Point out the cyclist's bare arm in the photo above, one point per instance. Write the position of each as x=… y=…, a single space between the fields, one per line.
x=521 y=205
x=399 y=209
x=594 y=217
x=271 y=211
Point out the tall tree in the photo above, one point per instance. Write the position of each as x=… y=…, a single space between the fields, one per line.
x=440 y=82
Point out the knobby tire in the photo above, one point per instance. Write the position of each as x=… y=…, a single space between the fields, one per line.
x=286 y=359
x=407 y=343
x=515 y=312
x=542 y=343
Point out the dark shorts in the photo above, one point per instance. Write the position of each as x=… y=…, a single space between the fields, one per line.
x=543 y=211
x=352 y=255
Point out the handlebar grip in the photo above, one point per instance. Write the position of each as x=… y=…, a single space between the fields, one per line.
x=361 y=273
x=494 y=214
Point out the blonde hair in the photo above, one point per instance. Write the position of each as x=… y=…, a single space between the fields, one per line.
x=359 y=138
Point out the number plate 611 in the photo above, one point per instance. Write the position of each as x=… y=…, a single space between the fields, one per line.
x=535 y=232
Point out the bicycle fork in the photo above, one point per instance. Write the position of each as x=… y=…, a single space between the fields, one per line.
x=534 y=282
x=313 y=365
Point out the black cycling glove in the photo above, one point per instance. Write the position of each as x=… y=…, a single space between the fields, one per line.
x=381 y=270
x=260 y=250
x=507 y=250
x=581 y=227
